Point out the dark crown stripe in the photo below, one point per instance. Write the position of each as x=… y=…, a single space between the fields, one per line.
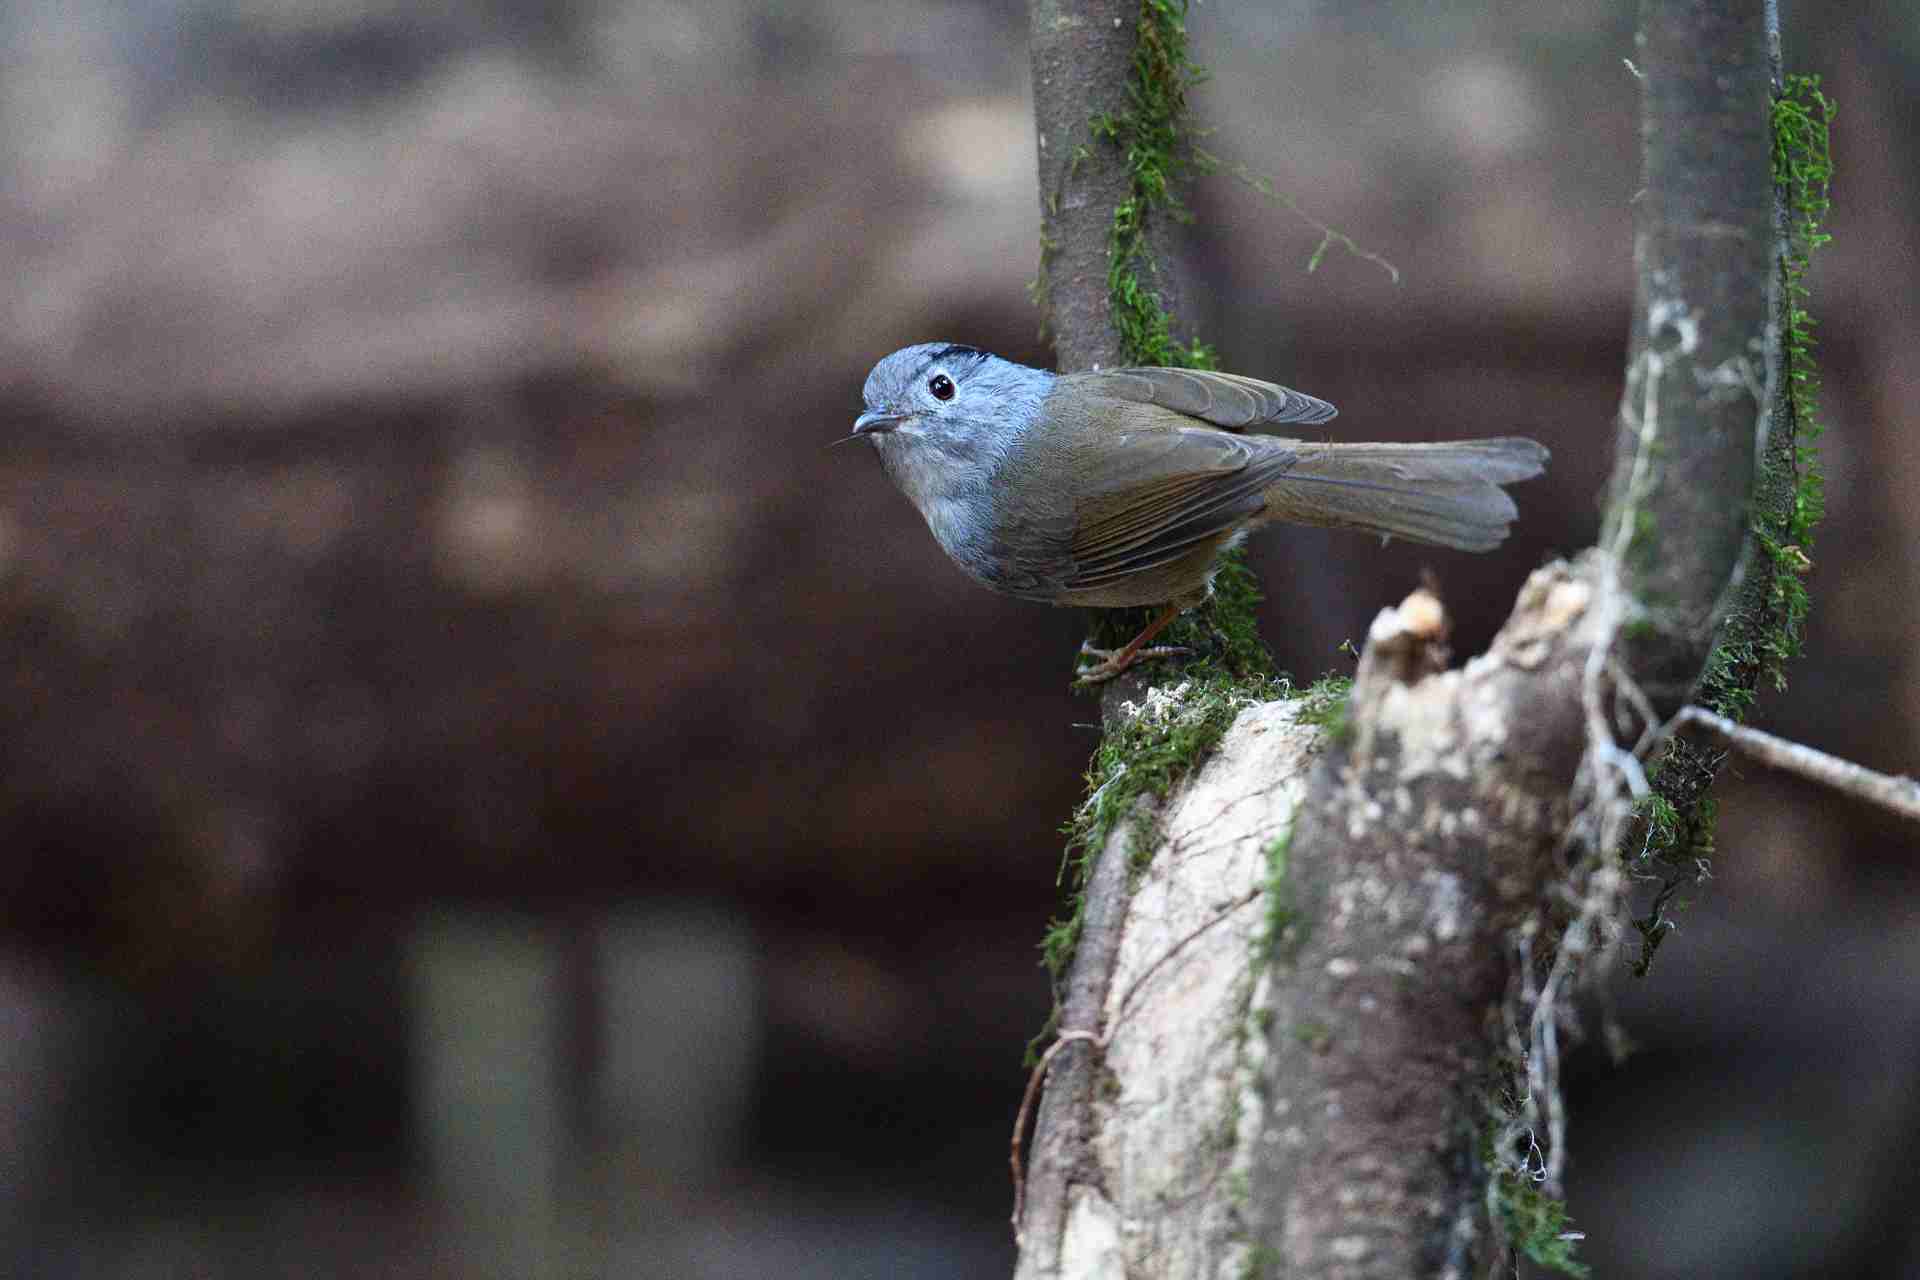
x=955 y=352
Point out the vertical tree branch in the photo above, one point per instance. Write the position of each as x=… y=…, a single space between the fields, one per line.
x=1763 y=624
x=1083 y=58
x=1699 y=380
x=1081 y=50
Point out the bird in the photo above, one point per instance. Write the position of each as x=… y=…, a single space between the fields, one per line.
x=1122 y=487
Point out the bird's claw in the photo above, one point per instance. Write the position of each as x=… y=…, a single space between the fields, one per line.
x=1114 y=661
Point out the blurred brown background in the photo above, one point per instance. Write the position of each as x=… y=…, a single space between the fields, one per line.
x=484 y=791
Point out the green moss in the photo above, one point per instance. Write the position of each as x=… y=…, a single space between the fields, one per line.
x=1537 y=1224
x=1316 y=1036
x=1262 y=1260
x=1327 y=703
x=1225 y=1134
x=1768 y=631
x=1528 y=1219
x=1222 y=634
x=1145 y=754
x=1803 y=170
x=1280 y=932
x=1643 y=548
x=1673 y=829
x=1040 y=289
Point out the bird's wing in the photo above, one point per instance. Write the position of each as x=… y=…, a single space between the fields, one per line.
x=1223 y=399
x=1154 y=487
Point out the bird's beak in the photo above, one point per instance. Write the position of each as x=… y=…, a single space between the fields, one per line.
x=873 y=422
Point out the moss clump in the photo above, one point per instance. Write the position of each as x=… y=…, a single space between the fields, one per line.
x=1670 y=828
x=1262 y=1260
x=1537 y=1225
x=1144 y=754
x=1147 y=753
x=1223 y=634
x=1316 y=1037
x=1526 y=1219
x=1327 y=703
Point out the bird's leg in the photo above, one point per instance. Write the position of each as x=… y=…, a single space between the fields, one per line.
x=1118 y=660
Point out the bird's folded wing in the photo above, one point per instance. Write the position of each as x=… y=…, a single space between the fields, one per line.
x=1155 y=492
x=1223 y=399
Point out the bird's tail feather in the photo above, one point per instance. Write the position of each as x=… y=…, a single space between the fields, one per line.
x=1448 y=494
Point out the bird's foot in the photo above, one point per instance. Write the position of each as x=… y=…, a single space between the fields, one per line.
x=1114 y=661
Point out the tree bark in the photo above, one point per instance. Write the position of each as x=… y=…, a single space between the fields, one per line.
x=1158 y=1180
x=1082 y=55
x=1699 y=380
x=1425 y=841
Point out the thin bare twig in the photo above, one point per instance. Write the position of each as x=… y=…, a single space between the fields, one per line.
x=1897 y=795
x=1329 y=238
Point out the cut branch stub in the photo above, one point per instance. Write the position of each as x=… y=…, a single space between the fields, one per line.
x=1427 y=835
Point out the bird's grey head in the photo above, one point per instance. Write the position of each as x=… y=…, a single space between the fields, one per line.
x=960 y=402
x=942 y=417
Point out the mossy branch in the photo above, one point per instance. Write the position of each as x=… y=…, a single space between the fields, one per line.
x=1672 y=842
x=1152 y=134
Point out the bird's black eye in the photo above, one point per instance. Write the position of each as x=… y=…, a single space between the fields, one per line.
x=941 y=386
